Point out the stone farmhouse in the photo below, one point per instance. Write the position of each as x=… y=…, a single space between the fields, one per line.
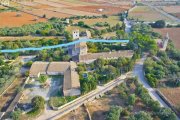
x=71 y=84
x=79 y=52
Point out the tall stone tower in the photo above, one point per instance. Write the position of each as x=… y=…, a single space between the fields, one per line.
x=165 y=41
x=75 y=34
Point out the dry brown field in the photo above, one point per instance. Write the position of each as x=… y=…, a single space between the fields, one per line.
x=60 y=9
x=174 y=10
x=177 y=15
x=48 y=13
x=78 y=114
x=66 y=8
x=112 y=2
x=145 y=13
x=173 y=95
x=109 y=10
x=171 y=9
x=9 y=19
x=174 y=34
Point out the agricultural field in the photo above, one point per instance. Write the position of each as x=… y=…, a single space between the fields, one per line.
x=10 y=19
x=112 y=2
x=112 y=20
x=144 y=13
x=174 y=10
x=66 y=8
x=173 y=34
x=109 y=10
x=56 y=8
x=173 y=95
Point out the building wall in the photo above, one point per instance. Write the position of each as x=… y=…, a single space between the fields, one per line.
x=72 y=92
x=55 y=73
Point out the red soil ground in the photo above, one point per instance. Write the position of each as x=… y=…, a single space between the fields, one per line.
x=174 y=34
x=177 y=15
x=9 y=19
x=106 y=9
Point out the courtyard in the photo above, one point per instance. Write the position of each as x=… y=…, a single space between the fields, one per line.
x=52 y=87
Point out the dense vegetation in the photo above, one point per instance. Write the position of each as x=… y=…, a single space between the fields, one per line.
x=7 y=73
x=38 y=103
x=164 y=70
x=29 y=43
x=114 y=113
x=59 y=100
x=102 y=71
x=53 y=27
x=148 y=109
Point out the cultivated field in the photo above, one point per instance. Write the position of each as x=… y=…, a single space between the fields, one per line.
x=173 y=95
x=112 y=2
x=173 y=34
x=144 y=13
x=10 y=19
x=60 y=9
x=109 y=10
x=66 y=8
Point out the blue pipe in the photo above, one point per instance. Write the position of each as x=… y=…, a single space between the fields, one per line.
x=61 y=45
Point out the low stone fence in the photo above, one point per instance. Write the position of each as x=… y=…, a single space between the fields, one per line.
x=7 y=87
x=15 y=100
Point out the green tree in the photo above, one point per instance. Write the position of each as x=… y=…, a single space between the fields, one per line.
x=114 y=113
x=81 y=23
x=132 y=99
x=68 y=36
x=166 y=114
x=16 y=114
x=43 y=78
x=159 y=24
x=141 y=116
x=38 y=102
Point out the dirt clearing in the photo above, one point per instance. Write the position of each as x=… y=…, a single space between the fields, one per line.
x=173 y=95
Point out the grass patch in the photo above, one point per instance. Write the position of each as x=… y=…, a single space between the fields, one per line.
x=59 y=101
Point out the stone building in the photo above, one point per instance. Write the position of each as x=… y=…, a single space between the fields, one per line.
x=71 y=84
x=75 y=34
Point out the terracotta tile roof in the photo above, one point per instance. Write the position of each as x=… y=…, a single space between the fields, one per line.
x=106 y=55
x=58 y=67
x=38 y=67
